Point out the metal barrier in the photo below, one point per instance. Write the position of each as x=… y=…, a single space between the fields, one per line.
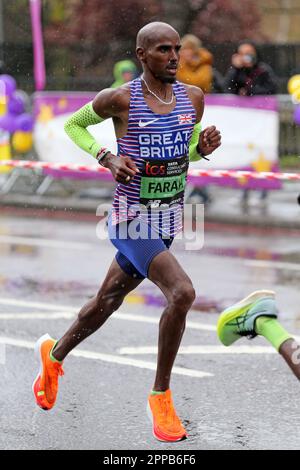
x=99 y=170
x=289 y=133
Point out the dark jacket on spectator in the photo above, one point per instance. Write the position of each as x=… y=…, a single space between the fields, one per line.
x=217 y=82
x=257 y=80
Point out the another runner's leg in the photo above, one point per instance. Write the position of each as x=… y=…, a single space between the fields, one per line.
x=285 y=344
x=257 y=315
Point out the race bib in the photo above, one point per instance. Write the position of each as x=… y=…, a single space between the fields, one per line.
x=163 y=182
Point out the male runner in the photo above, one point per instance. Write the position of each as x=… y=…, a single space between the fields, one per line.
x=156 y=121
x=157 y=124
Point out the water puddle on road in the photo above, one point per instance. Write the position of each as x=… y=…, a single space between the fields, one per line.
x=148 y=295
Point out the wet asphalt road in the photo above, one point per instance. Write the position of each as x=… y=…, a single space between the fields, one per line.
x=49 y=268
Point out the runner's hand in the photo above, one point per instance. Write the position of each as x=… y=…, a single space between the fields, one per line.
x=209 y=140
x=123 y=169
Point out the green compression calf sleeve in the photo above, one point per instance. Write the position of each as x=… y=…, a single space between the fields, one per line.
x=271 y=329
x=193 y=154
x=76 y=126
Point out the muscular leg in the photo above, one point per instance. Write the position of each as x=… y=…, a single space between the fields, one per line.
x=168 y=275
x=94 y=313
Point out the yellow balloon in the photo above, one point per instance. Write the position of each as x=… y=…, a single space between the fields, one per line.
x=22 y=141
x=5 y=154
x=293 y=84
x=3 y=103
x=296 y=96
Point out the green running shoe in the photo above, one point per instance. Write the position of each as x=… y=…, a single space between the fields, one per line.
x=239 y=320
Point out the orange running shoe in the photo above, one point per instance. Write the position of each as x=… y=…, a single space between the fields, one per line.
x=45 y=386
x=166 y=425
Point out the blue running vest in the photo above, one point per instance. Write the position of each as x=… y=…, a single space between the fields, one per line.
x=159 y=146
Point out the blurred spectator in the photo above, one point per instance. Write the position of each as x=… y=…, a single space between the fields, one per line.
x=217 y=82
x=195 y=64
x=195 y=68
x=124 y=71
x=248 y=75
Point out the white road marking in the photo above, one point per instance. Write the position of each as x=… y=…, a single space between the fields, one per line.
x=41 y=305
x=69 y=312
x=46 y=243
x=143 y=318
x=20 y=343
x=272 y=264
x=37 y=316
x=205 y=349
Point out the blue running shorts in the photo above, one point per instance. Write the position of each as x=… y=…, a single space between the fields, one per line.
x=137 y=244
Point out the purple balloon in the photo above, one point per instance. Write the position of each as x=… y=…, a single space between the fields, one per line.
x=16 y=104
x=24 y=122
x=297 y=116
x=8 y=123
x=8 y=83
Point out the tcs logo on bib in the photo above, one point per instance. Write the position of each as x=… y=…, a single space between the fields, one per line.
x=154 y=169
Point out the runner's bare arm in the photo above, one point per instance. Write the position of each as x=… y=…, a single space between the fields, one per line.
x=203 y=141
x=112 y=103
x=196 y=96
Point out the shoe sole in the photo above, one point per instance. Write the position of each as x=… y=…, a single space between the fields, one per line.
x=228 y=315
x=150 y=416
x=38 y=355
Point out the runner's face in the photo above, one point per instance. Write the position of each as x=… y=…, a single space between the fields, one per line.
x=162 y=58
